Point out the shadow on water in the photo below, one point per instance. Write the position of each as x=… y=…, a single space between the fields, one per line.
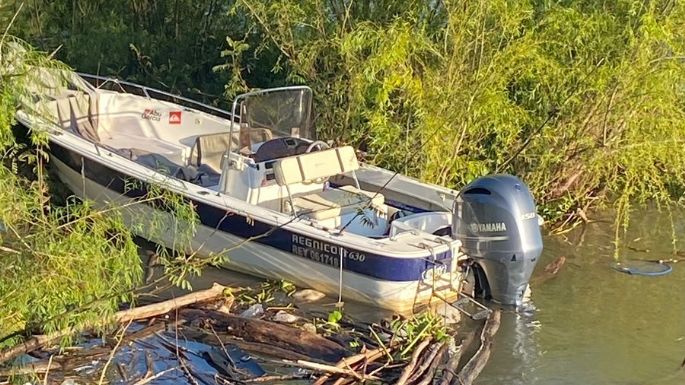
x=593 y=325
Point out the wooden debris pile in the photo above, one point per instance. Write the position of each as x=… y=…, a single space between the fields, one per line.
x=199 y=339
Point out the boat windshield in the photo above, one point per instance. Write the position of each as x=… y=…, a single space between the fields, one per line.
x=274 y=113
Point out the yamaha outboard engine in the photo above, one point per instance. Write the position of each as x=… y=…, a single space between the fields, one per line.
x=497 y=223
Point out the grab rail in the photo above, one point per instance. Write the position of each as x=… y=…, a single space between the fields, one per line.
x=146 y=92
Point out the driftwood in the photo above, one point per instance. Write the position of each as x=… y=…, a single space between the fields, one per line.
x=476 y=364
x=32 y=368
x=329 y=369
x=427 y=362
x=432 y=368
x=407 y=371
x=124 y=316
x=267 y=332
x=201 y=335
x=155 y=309
x=352 y=362
x=348 y=362
x=150 y=377
x=33 y=343
x=284 y=377
x=450 y=370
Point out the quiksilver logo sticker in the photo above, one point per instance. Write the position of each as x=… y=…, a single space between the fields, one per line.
x=174 y=117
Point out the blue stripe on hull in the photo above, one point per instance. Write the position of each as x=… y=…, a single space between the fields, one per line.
x=354 y=260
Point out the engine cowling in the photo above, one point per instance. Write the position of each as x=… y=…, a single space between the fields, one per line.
x=496 y=220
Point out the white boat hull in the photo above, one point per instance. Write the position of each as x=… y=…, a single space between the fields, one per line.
x=269 y=262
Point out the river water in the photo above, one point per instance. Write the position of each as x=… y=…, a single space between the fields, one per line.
x=589 y=324
x=593 y=325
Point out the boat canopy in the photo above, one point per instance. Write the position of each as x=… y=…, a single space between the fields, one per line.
x=280 y=112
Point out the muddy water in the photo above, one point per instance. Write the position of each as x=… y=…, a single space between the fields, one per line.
x=588 y=324
x=593 y=325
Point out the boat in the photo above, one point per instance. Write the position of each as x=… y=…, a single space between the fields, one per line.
x=285 y=204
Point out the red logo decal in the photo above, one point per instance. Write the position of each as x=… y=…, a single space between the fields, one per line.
x=151 y=114
x=174 y=117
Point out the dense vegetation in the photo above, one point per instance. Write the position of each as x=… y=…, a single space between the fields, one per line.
x=584 y=100
x=60 y=266
x=66 y=265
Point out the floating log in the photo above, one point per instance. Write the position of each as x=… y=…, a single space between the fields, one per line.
x=476 y=364
x=270 y=333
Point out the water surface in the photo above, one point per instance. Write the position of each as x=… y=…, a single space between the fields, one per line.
x=593 y=325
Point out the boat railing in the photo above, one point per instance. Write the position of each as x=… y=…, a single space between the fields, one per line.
x=113 y=84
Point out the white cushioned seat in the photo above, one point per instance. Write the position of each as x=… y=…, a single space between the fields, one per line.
x=313 y=167
x=334 y=202
x=209 y=149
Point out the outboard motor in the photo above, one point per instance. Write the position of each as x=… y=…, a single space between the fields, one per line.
x=497 y=223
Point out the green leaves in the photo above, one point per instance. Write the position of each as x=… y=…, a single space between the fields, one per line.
x=582 y=100
x=335 y=316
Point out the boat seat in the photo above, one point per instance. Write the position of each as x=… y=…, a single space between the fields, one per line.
x=78 y=112
x=334 y=202
x=315 y=167
x=209 y=149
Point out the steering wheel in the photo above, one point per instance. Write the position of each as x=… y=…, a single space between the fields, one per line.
x=317 y=143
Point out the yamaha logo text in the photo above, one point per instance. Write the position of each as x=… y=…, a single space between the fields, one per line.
x=488 y=227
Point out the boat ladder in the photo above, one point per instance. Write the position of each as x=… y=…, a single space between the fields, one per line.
x=464 y=301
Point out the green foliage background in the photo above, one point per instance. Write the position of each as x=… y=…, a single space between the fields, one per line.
x=60 y=267
x=69 y=265
x=582 y=99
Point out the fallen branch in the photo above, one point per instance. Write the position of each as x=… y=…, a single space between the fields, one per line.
x=285 y=377
x=427 y=362
x=450 y=370
x=154 y=377
x=33 y=343
x=407 y=371
x=432 y=368
x=201 y=335
x=155 y=309
x=368 y=356
x=33 y=368
x=39 y=341
x=476 y=364
x=328 y=369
